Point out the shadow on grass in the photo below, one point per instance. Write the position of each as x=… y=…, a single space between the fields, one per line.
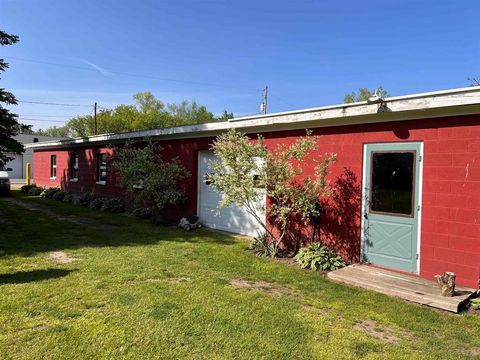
x=22 y=277
x=31 y=232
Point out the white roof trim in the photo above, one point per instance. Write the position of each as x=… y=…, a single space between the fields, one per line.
x=452 y=102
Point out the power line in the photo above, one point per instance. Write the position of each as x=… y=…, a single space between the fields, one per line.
x=131 y=74
x=46 y=120
x=53 y=104
x=52 y=116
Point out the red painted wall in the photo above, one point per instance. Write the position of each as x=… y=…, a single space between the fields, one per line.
x=87 y=171
x=450 y=226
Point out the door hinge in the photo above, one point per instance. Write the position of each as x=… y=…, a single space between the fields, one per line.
x=419 y=158
x=418 y=207
x=417 y=256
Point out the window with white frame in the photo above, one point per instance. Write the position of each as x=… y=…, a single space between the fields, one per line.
x=102 y=168
x=53 y=166
x=74 y=167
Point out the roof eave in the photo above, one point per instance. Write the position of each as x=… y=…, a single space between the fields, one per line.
x=462 y=101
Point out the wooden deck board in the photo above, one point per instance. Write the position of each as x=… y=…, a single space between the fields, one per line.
x=411 y=288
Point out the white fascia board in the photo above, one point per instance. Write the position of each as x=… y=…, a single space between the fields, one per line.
x=433 y=94
x=461 y=101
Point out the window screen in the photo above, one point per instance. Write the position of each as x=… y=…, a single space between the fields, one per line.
x=53 y=166
x=74 y=167
x=102 y=167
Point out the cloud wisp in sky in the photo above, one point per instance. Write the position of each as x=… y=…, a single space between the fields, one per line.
x=101 y=70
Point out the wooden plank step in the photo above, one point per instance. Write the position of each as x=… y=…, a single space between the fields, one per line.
x=411 y=288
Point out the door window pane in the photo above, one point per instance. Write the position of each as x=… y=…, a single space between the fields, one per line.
x=392 y=175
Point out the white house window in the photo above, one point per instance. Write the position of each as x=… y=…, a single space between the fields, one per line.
x=102 y=168
x=53 y=166
x=74 y=167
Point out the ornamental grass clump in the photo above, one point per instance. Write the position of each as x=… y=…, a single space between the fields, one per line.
x=319 y=257
x=263 y=246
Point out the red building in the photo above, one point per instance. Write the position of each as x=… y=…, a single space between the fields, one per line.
x=406 y=185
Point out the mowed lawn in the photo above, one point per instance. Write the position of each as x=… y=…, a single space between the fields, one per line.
x=140 y=291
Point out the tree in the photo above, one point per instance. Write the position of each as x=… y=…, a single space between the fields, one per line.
x=147 y=113
x=225 y=116
x=57 y=131
x=151 y=180
x=364 y=94
x=9 y=126
x=247 y=171
x=474 y=81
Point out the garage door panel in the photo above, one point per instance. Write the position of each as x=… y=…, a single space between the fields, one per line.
x=231 y=218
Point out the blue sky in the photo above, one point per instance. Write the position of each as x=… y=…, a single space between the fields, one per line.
x=222 y=53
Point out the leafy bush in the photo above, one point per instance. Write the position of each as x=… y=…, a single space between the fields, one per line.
x=319 y=257
x=58 y=195
x=26 y=188
x=67 y=198
x=97 y=203
x=35 y=191
x=114 y=205
x=160 y=180
x=86 y=198
x=264 y=246
x=142 y=213
x=49 y=192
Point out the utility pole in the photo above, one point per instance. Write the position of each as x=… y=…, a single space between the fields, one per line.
x=95 y=118
x=263 y=105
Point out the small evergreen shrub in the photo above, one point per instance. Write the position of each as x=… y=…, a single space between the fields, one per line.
x=142 y=213
x=97 y=203
x=58 y=195
x=114 y=205
x=319 y=257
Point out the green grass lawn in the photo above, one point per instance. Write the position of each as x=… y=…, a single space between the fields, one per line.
x=141 y=291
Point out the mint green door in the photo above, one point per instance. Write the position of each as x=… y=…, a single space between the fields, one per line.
x=391 y=205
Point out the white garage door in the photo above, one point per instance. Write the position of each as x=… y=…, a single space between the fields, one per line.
x=232 y=218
